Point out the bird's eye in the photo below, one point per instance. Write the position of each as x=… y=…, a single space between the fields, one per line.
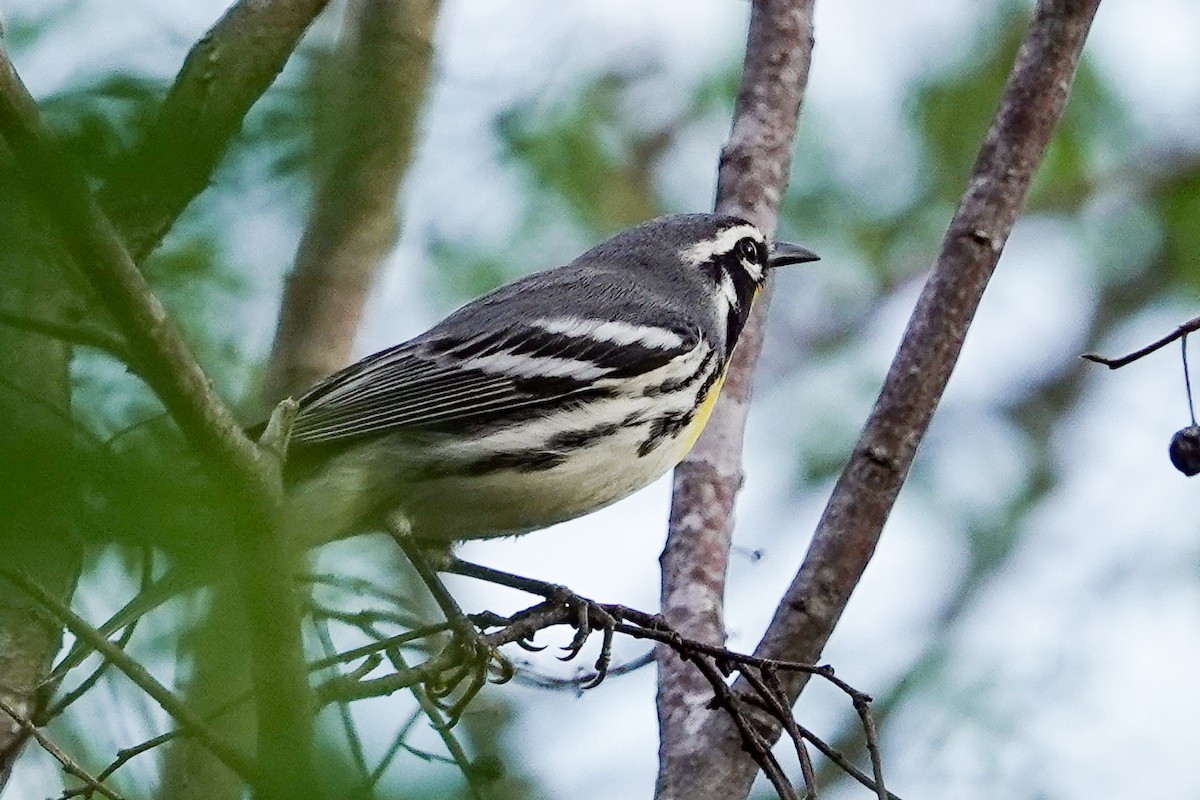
x=747 y=249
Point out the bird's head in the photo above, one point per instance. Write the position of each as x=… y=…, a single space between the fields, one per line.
x=729 y=256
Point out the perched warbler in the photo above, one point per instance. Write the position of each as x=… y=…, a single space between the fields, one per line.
x=544 y=400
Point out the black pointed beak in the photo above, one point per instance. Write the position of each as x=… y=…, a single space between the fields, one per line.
x=784 y=253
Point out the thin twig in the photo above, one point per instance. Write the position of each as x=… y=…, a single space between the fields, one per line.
x=138 y=674
x=363 y=616
x=843 y=763
x=356 y=587
x=352 y=738
x=56 y=678
x=68 y=763
x=444 y=730
x=80 y=333
x=431 y=709
x=868 y=724
x=124 y=756
x=768 y=688
x=371 y=648
x=395 y=747
x=517 y=628
x=752 y=740
x=558 y=611
x=127 y=754
x=87 y=683
x=1187 y=380
x=148 y=598
x=1191 y=326
x=364 y=651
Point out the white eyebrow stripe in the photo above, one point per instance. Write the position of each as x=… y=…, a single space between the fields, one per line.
x=615 y=331
x=722 y=243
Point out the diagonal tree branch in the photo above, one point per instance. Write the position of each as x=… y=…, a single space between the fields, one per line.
x=170 y=367
x=284 y=704
x=224 y=74
x=753 y=176
x=1032 y=103
x=69 y=765
x=256 y=38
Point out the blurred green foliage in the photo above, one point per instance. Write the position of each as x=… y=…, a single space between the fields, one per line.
x=104 y=117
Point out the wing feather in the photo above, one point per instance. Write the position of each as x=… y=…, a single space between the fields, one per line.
x=441 y=381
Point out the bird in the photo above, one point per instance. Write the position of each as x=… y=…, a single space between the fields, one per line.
x=546 y=399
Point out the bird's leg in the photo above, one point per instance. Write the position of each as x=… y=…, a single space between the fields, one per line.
x=589 y=613
x=477 y=654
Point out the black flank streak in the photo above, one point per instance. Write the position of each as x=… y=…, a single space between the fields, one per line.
x=583 y=437
x=636 y=418
x=670 y=425
x=517 y=461
x=710 y=380
x=681 y=383
x=667 y=426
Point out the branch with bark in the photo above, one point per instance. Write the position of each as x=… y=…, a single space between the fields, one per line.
x=753 y=176
x=845 y=539
x=262 y=36
x=445 y=673
x=382 y=67
x=224 y=74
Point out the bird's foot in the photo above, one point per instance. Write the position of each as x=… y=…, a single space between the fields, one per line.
x=587 y=615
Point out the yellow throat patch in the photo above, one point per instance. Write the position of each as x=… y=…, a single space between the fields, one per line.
x=703 y=411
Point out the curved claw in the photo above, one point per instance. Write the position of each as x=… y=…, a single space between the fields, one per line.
x=594 y=681
x=527 y=644
x=603 y=660
x=577 y=642
x=608 y=626
x=455 y=711
x=583 y=624
x=446 y=686
x=506 y=669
